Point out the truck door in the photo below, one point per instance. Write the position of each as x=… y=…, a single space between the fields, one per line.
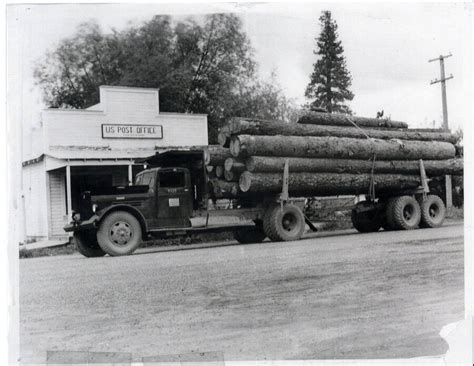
x=174 y=197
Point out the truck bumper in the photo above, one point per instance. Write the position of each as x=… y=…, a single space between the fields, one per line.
x=84 y=225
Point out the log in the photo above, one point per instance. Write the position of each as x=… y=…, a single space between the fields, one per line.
x=216 y=155
x=245 y=126
x=339 y=148
x=231 y=176
x=268 y=164
x=339 y=119
x=219 y=171
x=327 y=184
x=234 y=165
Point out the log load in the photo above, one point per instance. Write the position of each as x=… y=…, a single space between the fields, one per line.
x=339 y=119
x=270 y=128
x=216 y=155
x=269 y=164
x=339 y=148
x=327 y=184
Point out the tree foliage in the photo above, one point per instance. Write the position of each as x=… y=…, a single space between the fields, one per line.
x=330 y=80
x=199 y=67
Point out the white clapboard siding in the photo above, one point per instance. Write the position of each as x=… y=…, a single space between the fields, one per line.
x=35 y=202
x=57 y=203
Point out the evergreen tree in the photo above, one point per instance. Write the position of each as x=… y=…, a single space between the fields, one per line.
x=330 y=80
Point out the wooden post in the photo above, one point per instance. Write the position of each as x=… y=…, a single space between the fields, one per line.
x=68 y=191
x=130 y=174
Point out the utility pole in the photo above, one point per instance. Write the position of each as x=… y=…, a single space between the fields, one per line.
x=442 y=80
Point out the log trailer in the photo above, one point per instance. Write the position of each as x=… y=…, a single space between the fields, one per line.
x=176 y=188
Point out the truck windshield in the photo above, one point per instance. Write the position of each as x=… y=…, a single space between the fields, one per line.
x=171 y=179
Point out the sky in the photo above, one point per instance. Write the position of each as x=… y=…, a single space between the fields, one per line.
x=387 y=48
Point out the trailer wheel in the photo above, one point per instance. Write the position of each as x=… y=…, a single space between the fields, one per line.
x=284 y=224
x=250 y=235
x=405 y=213
x=119 y=233
x=433 y=212
x=387 y=223
x=366 y=221
x=86 y=244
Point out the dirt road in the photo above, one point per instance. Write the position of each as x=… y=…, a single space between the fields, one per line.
x=380 y=295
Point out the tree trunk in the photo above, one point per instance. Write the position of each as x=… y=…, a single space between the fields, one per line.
x=339 y=119
x=339 y=148
x=261 y=127
x=268 y=164
x=216 y=155
x=234 y=165
x=328 y=184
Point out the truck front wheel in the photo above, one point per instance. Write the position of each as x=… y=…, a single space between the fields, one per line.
x=86 y=244
x=284 y=223
x=119 y=233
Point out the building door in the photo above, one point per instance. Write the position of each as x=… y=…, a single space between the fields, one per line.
x=57 y=203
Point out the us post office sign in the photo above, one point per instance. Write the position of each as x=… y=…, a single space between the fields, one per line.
x=116 y=131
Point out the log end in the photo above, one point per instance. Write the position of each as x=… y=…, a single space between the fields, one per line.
x=219 y=171
x=229 y=175
x=223 y=139
x=245 y=181
x=229 y=162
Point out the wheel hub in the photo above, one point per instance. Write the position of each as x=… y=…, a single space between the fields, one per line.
x=120 y=233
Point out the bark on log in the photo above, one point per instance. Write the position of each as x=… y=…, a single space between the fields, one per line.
x=338 y=119
x=234 y=165
x=268 y=164
x=261 y=127
x=339 y=148
x=327 y=184
x=219 y=171
x=216 y=155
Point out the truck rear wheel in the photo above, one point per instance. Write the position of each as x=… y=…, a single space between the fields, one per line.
x=250 y=235
x=366 y=221
x=284 y=223
x=433 y=211
x=86 y=244
x=119 y=233
x=405 y=213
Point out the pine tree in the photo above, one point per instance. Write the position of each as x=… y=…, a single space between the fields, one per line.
x=330 y=80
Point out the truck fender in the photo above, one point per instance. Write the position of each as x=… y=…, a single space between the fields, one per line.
x=130 y=209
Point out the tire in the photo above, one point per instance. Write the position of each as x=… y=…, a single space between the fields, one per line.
x=387 y=223
x=366 y=221
x=86 y=244
x=405 y=213
x=284 y=224
x=119 y=233
x=433 y=212
x=250 y=235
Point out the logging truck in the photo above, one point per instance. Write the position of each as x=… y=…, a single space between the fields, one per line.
x=176 y=189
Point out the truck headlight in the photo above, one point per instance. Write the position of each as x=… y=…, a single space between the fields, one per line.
x=94 y=208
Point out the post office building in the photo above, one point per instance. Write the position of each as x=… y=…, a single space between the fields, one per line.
x=77 y=150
